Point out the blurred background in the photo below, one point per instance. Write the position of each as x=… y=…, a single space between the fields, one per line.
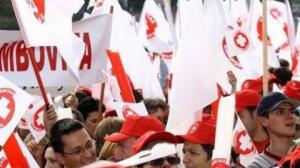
x=8 y=20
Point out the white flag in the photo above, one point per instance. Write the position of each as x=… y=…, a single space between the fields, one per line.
x=126 y=109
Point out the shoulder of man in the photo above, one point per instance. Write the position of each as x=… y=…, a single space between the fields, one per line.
x=262 y=161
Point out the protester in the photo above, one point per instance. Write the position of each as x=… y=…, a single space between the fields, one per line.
x=246 y=104
x=277 y=115
x=72 y=144
x=157 y=108
x=133 y=127
x=51 y=159
x=199 y=144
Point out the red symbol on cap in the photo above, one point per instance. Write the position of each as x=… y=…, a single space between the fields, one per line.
x=219 y=163
x=7 y=106
x=233 y=59
x=38 y=7
x=243 y=143
x=241 y=40
x=275 y=13
x=38 y=123
x=151 y=25
x=127 y=111
x=3 y=162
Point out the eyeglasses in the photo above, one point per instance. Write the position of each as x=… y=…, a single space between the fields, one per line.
x=91 y=144
x=172 y=160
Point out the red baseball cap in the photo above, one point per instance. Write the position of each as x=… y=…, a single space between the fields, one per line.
x=84 y=89
x=201 y=132
x=246 y=98
x=151 y=136
x=292 y=89
x=136 y=126
x=256 y=84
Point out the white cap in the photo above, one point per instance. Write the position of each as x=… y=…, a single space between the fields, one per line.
x=159 y=150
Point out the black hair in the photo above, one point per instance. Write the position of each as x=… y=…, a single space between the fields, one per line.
x=63 y=127
x=89 y=105
x=208 y=148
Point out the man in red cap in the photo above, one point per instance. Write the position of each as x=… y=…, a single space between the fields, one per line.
x=199 y=144
x=246 y=104
x=133 y=127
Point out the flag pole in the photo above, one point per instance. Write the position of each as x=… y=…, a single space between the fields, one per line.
x=37 y=75
x=14 y=153
x=118 y=69
x=100 y=115
x=265 y=48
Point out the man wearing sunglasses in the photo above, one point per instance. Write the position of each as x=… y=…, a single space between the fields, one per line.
x=72 y=144
x=277 y=115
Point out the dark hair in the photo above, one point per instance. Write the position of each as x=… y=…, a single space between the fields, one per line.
x=208 y=148
x=77 y=115
x=283 y=75
x=89 y=105
x=284 y=63
x=152 y=105
x=63 y=127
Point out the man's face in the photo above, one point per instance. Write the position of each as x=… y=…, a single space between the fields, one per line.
x=51 y=160
x=79 y=149
x=195 y=156
x=123 y=149
x=91 y=123
x=281 y=121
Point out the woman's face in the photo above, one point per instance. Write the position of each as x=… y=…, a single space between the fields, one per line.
x=195 y=156
x=171 y=161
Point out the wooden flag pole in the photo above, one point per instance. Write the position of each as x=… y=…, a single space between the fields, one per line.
x=100 y=115
x=118 y=69
x=265 y=48
x=37 y=75
x=14 y=153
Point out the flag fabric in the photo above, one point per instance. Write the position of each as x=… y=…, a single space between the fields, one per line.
x=4 y=163
x=49 y=23
x=190 y=67
x=126 y=109
x=13 y=104
x=243 y=144
x=154 y=32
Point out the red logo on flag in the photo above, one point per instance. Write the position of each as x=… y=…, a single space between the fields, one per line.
x=3 y=162
x=127 y=111
x=38 y=7
x=259 y=29
x=38 y=123
x=275 y=13
x=242 y=143
x=151 y=25
x=7 y=106
x=219 y=163
x=241 y=40
x=233 y=59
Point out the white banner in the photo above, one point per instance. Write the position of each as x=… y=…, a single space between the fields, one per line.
x=13 y=104
x=15 y=63
x=126 y=109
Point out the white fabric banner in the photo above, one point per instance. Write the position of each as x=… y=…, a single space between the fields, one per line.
x=15 y=63
x=126 y=109
x=13 y=104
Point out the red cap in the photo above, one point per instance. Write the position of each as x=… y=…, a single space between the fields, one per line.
x=136 y=126
x=151 y=136
x=256 y=84
x=110 y=113
x=83 y=89
x=246 y=98
x=201 y=132
x=292 y=90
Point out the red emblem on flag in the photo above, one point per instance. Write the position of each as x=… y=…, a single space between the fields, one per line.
x=38 y=7
x=151 y=25
x=233 y=59
x=127 y=111
x=38 y=123
x=7 y=106
x=242 y=143
x=241 y=40
x=3 y=162
x=219 y=163
x=275 y=13
x=259 y=29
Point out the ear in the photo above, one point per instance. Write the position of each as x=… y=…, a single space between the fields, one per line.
x=60 y=158
x=264 y=121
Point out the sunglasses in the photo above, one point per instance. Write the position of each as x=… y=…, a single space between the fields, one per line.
x=172 y=160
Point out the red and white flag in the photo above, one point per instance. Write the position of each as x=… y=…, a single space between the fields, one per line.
x=243 y=144
x=154 y=31
x=4 y=163
x=13 y=104
x=126 y=109
x=191 y=89
x=49 y=23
